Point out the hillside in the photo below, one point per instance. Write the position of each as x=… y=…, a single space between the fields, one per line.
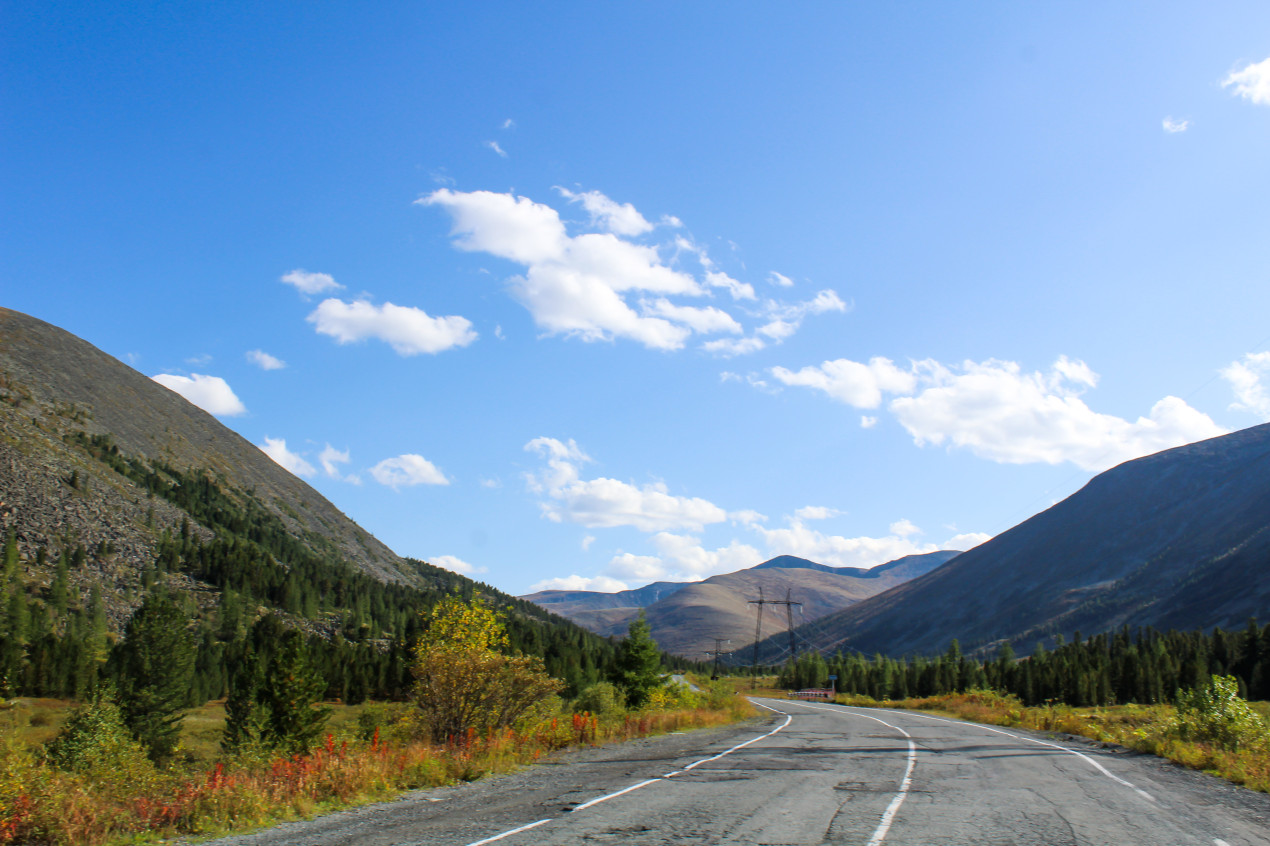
x=687 y=620
x=1179 y=539
x=110 y=484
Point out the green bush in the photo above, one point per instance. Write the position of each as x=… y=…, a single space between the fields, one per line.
x=602 y=699
x=1215 y=714
x=95 y=742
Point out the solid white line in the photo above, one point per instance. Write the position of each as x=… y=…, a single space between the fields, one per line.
x=888 y=816
x=885 y=825
x=509 y=833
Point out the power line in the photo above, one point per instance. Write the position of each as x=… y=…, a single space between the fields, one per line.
x=758 y=626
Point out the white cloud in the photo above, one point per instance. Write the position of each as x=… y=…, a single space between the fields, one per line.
x=966 y=540
x=276 y=448
x=406 y=471
x=783 y=320
x=310 y=283
x=599 y=286
x=867 y=421
x=586 y=542
x=904 y=528
x=816 y=512
x=456 y=565
x=703 y=321
x=330 y=458
x=507 y=124
x=1172 y=127
x=738 y=290
x=409 y=331
x=210 y=393
x=780 y=280
x=494 y=145
x=856 y=384
x=1252 y=83
x=601 y=584
x=1250 y=380
x=838 y=551
x=620 y=219
x=264 y=361
x=729 y=347
x=1001 y=413
x=606 y=503
x=683 y=558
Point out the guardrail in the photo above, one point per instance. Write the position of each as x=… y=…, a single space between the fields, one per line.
x=812 y=693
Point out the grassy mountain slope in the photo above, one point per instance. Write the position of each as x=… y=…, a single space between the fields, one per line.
x=687 y=620
x=1179 y=539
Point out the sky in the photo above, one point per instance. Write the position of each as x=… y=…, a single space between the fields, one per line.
x=587 y=296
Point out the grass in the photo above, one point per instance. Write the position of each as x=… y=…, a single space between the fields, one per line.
x=202 y=794
x=1145 y=728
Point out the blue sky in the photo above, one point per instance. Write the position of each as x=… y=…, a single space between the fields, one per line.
x=594 y=295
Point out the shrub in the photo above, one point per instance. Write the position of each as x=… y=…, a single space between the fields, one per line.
x=96 y=742
x=602 y=699
x=463 y=685
x=1215 y=714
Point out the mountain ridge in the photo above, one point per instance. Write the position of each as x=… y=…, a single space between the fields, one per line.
x=1178 y=539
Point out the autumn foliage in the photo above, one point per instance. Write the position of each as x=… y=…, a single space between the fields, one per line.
x=464 y=683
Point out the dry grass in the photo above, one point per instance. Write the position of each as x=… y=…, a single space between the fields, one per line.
x=199 y=795
x=1140 y=727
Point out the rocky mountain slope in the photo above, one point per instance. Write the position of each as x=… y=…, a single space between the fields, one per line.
x=53 y=385
x=1179 y=539
x=686 y=618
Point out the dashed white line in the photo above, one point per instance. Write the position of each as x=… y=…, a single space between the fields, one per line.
x=597 y=800
x=510 y=833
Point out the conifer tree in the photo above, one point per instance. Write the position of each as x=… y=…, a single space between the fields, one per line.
x=638 y=668
x=155 y=665
x=291 y=690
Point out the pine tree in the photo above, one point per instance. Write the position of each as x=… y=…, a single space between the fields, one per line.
x=155 y=664
x=292 y=687
x=638 y=668
x=246 y=716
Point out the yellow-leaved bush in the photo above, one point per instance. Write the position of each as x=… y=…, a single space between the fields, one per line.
x=464 y=686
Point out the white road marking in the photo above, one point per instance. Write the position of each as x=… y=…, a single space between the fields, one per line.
x=605 y=798
x=510 y=833
x=1080 y=755
x=597 y=800
x=888 y=816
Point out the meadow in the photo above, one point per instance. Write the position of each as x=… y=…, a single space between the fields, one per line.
x=1155 y=729
x=370 y=752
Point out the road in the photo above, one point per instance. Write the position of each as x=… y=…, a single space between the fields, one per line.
x=815 y=773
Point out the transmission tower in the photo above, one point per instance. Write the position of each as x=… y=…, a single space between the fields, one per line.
x=718 y=650
x=758 y=627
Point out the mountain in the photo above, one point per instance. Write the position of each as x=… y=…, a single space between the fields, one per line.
x=110 y=484
x=686 y=619
x=567 y=602
x=1179 y=539
x=54 y=385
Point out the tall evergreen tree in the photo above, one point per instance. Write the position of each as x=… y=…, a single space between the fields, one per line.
x=638 y=667
x=155 y=665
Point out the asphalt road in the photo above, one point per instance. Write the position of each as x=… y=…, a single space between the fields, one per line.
x=814 y=773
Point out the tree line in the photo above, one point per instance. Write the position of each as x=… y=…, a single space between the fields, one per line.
x=1142 y=665
x=358 y=632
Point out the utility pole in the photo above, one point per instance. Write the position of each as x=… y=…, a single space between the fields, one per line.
x=718 y=650
x=758 y=626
